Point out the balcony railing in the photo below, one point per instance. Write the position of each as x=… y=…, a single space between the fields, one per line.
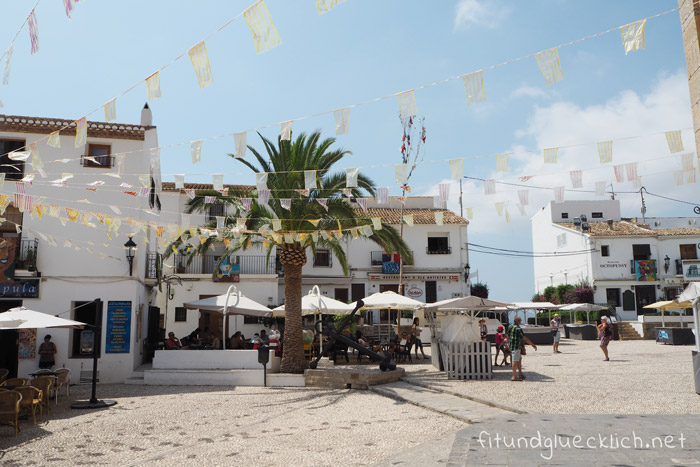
x=204 y=264
x=152 y=260
x=378 y=258
x=104 y=162
x=439 y=251
x=26 y=254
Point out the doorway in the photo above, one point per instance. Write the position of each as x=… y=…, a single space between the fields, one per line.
x=341 y=295
x=9 y=342
x=430 y=291
x=357 y=292
x=155 y=335
x=644 y=294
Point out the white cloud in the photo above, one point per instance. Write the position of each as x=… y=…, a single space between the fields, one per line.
x=528 y=91
x=482 y=13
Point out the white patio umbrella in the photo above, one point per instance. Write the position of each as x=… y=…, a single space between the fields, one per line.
x=314 y=303
x=533 y=306
x=470 y=303
x=587 y=307
x=389 y=300
x=24 y=318
x=692 y=294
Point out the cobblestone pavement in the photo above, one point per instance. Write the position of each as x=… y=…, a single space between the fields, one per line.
x=221 y=426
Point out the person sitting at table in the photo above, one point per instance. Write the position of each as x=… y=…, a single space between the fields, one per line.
x=257 y=342
x=194 y=337
x=172 y=343
x=264 y=338
x=237 y=341
x=360 y=339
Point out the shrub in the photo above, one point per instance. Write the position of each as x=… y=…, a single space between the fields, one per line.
x=480 y=290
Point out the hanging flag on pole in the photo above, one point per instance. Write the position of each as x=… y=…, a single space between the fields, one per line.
x=259 y=21
x=407 y=104
x=605 y=151
x=200 y=63
x=633 y=36
x=548 y=61
x=153 y=86
x=474 y=84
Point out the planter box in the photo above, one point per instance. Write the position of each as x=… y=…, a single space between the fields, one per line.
x=584 y=332
x=675 y=336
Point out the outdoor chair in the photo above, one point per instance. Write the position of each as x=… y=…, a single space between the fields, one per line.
x=404 y=351
x=14 y=382
x=31 y=399
x=339 y=349
x=45 y=385
x=3 y=374
x=62 y=381
x=9 y=409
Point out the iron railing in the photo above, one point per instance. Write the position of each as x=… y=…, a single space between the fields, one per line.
x=204 y=264
x=439 y=251
x=377 y=258
x=103 y=162
x=26 y=254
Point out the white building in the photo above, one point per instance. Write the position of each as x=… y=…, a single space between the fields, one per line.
x=629 y=263
x=63 y=245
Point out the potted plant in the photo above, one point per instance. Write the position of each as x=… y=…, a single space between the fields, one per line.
x=30 y=260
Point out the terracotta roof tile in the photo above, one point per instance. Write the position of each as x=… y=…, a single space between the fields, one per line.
x=626 y=228
x=420 y=216
x=677 y=231
x=43 y=125
x=170 y=186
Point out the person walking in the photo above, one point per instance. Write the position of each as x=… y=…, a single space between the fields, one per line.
x=605 y=334
x=517 y=340
x=416 y=330
x=555 y=324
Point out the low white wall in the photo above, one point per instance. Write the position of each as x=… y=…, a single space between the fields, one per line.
x=212 y=360
x=667 y=319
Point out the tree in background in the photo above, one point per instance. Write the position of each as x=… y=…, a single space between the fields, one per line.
x=480 y=290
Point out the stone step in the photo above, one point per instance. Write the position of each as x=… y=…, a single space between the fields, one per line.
x=134 y=380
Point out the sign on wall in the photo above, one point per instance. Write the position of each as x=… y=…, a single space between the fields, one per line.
x=27 y=343
x=228 y=272
x=118 y=335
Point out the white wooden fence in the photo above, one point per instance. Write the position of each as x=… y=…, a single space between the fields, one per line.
x=467 y=360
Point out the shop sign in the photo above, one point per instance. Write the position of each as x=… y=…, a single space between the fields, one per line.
x=415 y=292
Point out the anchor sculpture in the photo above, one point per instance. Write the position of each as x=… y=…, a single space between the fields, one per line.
x=334 y=337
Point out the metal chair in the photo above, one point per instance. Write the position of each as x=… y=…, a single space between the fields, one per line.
x=45 y=384
x=31 y=399
x=9 y=409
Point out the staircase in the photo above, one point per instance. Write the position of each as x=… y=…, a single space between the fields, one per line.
x=627 y=332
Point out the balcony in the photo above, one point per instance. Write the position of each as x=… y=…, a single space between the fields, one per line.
x=204 y=264
x=103 y=162
x=378 y=258
x=26 y=254
x=439 y=251
x=690 y=269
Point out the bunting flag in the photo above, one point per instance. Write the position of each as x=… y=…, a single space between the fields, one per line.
x=550 y=155
x=362 y=202
x=261 y=180
x=600 y=188
x=309 y=179
x=110 y=110
x=444 y=192
x=342 y=121
x=521 y=208
x=407 y=104
x=382 y=195
x=576 y=178
x=240 y=224
x=548 y=61
x=179 y=181
x=474 y=85
x=259 y=21
x=196 y=151
x=19 y=155
x=631 y=169
x=80 y=132
x=605 y=151
x=33 y=32
x=288 y=238
x=351 y=177
x=190 y=193
x=246 y=202
x=439 y=217
x=633 y=36
x=185 y=220
x=286 y=203
x=155 y=159
x=210 y=199
x=54 y=140
x=323 y=202
x=401 y=174
x=456 y=172
x=502 y=162
x=489 y=187
x=499 y=207
x=524 y=197
x=240 y=142
x=367 y=231
x=119 y=160
x=559 y=194
x=145 y=191
x=675 y=141
x=469 y=212
x=68 y=5
x=377 y=223
x=153 y=86
x=619 y=173
x=286 y=131
x=408 y=219
x=8 y=64
x=678 y=177
x=690 y=176
x=218 y=181
x=324 y=6
x=200 y=63
x=437 y=204
x=220 y=222
x=37 y=163
x=507 y=215
x=637 y=182
x=263 y=195
x=307 y=192
x=687 y=161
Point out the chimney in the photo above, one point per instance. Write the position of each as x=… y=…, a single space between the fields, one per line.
x=610 y=223
x=146 y=116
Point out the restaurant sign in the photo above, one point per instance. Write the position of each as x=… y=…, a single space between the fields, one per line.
x=118 y=327
x=416 y=277
x=20 y=288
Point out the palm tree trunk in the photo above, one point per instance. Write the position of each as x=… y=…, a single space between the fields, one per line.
x=293 y=360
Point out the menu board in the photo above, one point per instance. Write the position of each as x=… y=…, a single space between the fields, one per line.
x=118 y=334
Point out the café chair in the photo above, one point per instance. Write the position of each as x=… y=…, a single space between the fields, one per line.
x=31 y=399
x=45 y=385
x=62 y=381
x=14 y=382
x=9 y=409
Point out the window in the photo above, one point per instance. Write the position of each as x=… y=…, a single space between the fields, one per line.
x=251 y=319
x=341 y=295
x=180 y=313
x=439 y=244
x=216 y=209
x=641 y=252
x=561 y=240
x=613 y=297
x=605 y=250
x=13 y=170
x=597 y=215
x=98 y=156
x=689 y=251
x=322 y=259
x=564 y=215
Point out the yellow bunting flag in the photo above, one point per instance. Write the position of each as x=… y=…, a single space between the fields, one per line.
x=377 y=223
x=507 y=215
x=37 y=162
x=408 y=219
x=111 y=110
x=675 y=141
x=259 y=21
x=548 y=61
x=502 y=162
x=54 y=140
x=550 y=155
x=314 y=222
x=354 y=233
x=153 y=86
x=276 y=224
x=200 y=62
x=456 y=172
x=407 y=104
x=633 y=36
x=605 y=151
x=80 y=132
x=499 y=208
x=469 y=212
x=474 y=84
x=324 y=6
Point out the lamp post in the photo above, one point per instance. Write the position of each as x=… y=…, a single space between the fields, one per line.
x=467 y=268
x=130 y=248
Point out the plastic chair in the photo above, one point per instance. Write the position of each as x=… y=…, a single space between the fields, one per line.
x=14 y=382
x=45 y=385
x=9 y=409
x=62 y=381
x=31 y=399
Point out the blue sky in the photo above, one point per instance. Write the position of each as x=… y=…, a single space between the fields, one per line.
x=365 y=49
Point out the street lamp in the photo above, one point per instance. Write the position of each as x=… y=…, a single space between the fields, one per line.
x=467 y=268
x=667 y=263
x=130 y=248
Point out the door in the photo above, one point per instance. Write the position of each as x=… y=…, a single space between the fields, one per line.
x=153 y=334
x=358 y=292
x=645 y=294
x=341 y=295
x=430 y=291
x=9 y=342
x=389 y=287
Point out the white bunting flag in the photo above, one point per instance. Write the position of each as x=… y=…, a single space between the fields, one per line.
x=37 y=162
x=115 y=209
x=367 y=231
x=261 y=180
x=559 y=194
x=437 y=204
x=521 y=208
x=179 y=181
x=309 y=179
x=499 y=208
x=407 y=104
x=690 y=176
x=678 y=177
x=637 y=182
x=220 y=220
x=196 y=151
x=474 y=85
x=324 y=6
x=600 y=188
x=323 y=202
x=190 y=193
x=401 y=174
x=376 y=223
x=286 y=203
x=80 y=132
x=456 y=172
x=351 y=177
x=120 y=159
x=631 y=169
x=155 y=159
x=2 y=179
x=408 y=219
x=8 y=64
x=382 y=195
x=469 y=212
x=548 y=61
x=502 y=162
x=524 y=197
x=110 y=110
x=200 y=63
x=342 y=121
x=619 y=173
x=687 y=161
x=362 y=202
x=218 y=181
x=54 y=140
x=675 y=141
x=240 y=142
x=263 y=195
x=246 y=202
x=286 y=131
x=33 y=32
x=444 y=192
x=633 y=36
x=605 y=151
x=153 y=86
x=489 y=187
x=276 y=225
x=550 y=155
x=439 y=217
x=259 y=21
x=576 y=178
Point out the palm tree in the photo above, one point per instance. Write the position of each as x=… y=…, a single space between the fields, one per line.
x=306 y=225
